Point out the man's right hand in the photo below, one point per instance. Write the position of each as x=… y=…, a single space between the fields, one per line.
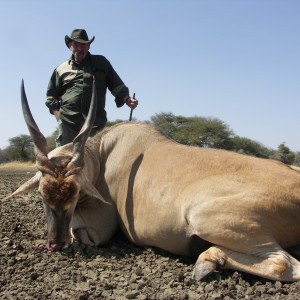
x=55 y=112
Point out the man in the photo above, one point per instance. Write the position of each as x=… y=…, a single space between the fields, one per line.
x=70 y=88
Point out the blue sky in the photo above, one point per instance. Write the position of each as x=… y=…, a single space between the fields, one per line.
x=235 y=60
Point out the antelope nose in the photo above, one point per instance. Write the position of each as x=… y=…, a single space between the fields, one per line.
x=53 y=245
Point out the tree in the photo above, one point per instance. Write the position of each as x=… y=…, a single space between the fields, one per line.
x=196 y=131
x=2 y=156
x=20 y=148
x=51 y=140
x=164 y=122
x=250 y=147
x=284 y=154
x=112 y=123
x=297 y=159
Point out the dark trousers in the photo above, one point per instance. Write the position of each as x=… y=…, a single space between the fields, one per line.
x=66 y=134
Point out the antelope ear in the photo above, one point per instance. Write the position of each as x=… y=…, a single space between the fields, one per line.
x=90 y=189
x=26 y=187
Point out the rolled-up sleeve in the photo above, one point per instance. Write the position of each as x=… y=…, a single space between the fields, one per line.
x=120 y=92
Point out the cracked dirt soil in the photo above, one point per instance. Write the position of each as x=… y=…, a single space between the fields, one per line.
x=120 y=270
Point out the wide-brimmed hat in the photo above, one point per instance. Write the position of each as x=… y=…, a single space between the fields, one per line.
x=79 y=36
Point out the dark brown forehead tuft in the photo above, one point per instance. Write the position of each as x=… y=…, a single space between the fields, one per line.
x=59 y=193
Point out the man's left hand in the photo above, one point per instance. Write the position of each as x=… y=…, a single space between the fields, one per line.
x=132 y=103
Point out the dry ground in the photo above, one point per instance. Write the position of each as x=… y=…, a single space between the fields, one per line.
x=120 y=270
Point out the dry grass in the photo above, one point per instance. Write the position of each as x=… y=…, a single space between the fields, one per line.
x=16 y=165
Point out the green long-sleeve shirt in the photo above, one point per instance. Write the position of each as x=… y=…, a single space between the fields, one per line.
x=70 y=89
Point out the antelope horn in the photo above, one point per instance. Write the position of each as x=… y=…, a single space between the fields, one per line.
x=39 y=141
x=77 y=161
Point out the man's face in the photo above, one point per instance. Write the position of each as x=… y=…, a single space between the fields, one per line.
x=79 y=50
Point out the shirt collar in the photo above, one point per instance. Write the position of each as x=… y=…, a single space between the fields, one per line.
x=87 y=58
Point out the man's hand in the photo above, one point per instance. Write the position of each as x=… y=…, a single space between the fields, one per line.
x=131 y=102
x=55 y=112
